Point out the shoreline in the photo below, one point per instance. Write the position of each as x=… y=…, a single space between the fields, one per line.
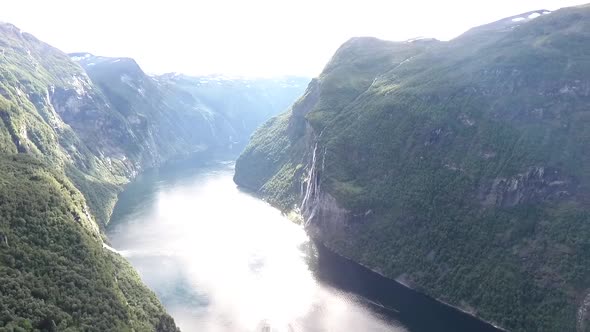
x=292 y=212
x=403 y=284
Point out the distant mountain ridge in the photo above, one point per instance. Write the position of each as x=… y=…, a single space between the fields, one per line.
x=459 y=168
x=176 y=101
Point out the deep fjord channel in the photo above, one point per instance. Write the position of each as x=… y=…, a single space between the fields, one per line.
x=222 y=260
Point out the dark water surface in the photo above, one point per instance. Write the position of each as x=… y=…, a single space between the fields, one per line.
x=222 y=260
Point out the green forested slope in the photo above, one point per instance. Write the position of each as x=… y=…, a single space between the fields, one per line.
x=459 y=168
x=54 y=273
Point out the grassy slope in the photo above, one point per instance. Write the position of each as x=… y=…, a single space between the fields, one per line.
x=420 y=148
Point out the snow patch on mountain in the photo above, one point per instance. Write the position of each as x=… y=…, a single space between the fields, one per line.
x=531 y=16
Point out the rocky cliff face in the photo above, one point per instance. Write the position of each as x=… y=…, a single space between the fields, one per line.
x=457 y=165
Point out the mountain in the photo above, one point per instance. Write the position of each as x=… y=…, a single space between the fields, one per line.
x=458 y=168
x=174 y=115
x=258 y=98
x=209 y=111
x=72 y=133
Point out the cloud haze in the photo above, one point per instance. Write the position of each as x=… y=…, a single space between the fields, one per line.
x=258 y=37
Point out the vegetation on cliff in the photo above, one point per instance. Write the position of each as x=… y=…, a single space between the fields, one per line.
x=459 y=167
x=54 y=273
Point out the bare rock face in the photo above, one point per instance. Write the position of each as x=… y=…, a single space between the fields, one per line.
x=320 y=210
x=97 y=125
x=536 y=185
x=323 y=216
x=329 y=219
x=3 y=240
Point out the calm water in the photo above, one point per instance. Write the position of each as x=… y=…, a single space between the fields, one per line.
x=222 y=260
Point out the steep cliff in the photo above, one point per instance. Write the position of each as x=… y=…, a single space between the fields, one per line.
x=54 y=272
x=458 y=168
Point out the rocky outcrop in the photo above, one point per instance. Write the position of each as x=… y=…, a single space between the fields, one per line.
x=535 y=185
x=3 y=240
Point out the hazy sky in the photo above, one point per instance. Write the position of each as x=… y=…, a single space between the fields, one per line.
x=242 y=37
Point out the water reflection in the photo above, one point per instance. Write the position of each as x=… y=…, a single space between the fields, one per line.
x=221 y=260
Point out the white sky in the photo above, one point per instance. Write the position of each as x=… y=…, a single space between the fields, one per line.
x=241 y=37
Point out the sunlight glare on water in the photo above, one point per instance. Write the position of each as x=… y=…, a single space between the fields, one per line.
x=222 y=260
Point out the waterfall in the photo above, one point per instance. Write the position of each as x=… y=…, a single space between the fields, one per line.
x=309 y=203
x=310 y=174
x=109 y=248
